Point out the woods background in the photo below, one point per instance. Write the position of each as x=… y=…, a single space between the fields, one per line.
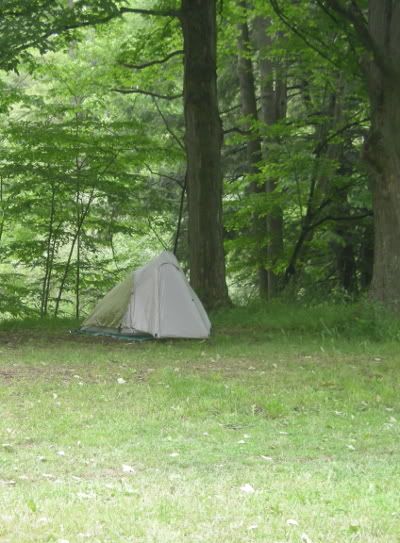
x=258 y=138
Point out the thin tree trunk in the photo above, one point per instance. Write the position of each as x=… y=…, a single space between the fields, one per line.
x=2 y=219
x=253 y=146
x=78 y=243
x=180 y=215
x=273 y=109
x=51 y=265
x=46 y=282
x=203 y=140
x=71 y=252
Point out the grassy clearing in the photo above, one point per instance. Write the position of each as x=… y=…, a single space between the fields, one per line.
x=284 y=427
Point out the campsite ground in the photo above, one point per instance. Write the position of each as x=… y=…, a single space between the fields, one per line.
x=284 y=427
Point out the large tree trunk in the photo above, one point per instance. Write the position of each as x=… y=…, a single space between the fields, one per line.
x=203 y=142
x=383 y=153
x=381 y=65
x=253 y=147
x=383 y=149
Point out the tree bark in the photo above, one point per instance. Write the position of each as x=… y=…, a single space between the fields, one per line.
x=273 y=109
x=203 y=142
x=381 y=66
x=253 y=148
x=383 y=150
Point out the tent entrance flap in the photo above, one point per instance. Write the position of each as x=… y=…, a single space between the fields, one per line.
x=110 y=311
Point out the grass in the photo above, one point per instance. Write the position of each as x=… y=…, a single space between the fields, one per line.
x=296 y=403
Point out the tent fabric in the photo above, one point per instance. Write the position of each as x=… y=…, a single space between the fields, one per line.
x=109 y=312
x=155 y=299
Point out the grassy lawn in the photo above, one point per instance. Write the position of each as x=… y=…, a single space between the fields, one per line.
x=283 y=427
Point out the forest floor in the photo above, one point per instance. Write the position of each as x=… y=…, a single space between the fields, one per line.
x=272 y=431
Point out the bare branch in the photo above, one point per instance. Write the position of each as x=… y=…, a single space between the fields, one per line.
x=237 y=130
x=337 y=219
x=169 y=130
x=176 y=180
x=155 y=12
x=148 y=93
x=153 y=62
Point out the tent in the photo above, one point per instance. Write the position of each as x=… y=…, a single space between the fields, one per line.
x=155 y=300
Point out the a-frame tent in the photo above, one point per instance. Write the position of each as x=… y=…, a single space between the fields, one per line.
x=156 y=300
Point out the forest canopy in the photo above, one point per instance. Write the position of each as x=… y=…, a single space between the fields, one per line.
x=257 y=139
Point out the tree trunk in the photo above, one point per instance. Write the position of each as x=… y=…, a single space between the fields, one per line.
x=273 y=109
x=385 y=286
x=253 y=147
x=383 y=149
x=79 y=226
x=203 y=140
x=49 y=256
x=381 y=66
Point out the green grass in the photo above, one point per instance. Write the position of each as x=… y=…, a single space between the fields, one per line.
x=297 y=402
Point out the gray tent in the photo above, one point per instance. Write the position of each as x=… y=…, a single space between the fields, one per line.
x=156 y=300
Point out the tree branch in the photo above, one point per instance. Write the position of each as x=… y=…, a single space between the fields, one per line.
x=336 y=219
x=148 y=93
x=153 y=62
x=169 y=130
x=294 y=28
x=237 y=130
x=155 y=12
x=355 y=17
x=177 y=181
x=321 y=145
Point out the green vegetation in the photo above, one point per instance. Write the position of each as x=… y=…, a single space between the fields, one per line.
x=260 y=141
x=284 y=426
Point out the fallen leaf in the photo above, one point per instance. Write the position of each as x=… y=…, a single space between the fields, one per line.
x=128 y=469
x=247 y=488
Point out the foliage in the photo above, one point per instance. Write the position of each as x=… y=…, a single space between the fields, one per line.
x=92 y=132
